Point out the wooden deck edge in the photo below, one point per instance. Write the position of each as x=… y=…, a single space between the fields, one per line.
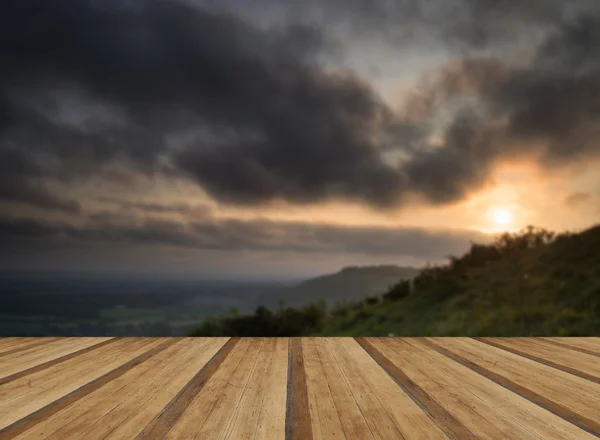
x=570 y=416
x=532 y=357
x=27 y=422
x=56 y=361
x=297 y=414
x=162 y=423
x=451 y=426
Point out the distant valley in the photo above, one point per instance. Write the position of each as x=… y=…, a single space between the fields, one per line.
x=348 y=285
x=34 y=304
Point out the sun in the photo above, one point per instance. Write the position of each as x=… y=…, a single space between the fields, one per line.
x=501 y=216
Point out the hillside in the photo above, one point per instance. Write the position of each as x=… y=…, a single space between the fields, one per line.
x=542 y=289
x=533 y=283
x=348 y=285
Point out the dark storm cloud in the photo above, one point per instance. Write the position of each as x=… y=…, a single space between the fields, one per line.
x=23 y=234
x=461 y=24
x=549 y=109
x=275 y=125
x=557 y=100
x=251 y=116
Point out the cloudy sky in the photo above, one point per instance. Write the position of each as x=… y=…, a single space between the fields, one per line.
x=290 y=137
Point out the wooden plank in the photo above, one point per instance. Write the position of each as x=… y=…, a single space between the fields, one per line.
x=565 y=395
x=60 y=400
x=272 y=417
x=27 y=388
x=384 y=388
x=214 y=353
x=573 y=362
x=37 y=355
x=143 y=399
x=162 y=423
x=297 y=414
x=219 y=422
x=578 y=344
x=19 y=344
x=586 y=344
x=485 y=408
x=100 y=404
x=376 y=417
x=208 y=399
x=324 y=418
x=100 y=343
x=27 y=353
x=14 y=341
x=349 y=412
x=450 y=425
x=87 y=403
x=388 y=410
x=29 y=394
x=243 y=419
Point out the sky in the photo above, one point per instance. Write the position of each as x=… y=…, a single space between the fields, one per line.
x=286 y=138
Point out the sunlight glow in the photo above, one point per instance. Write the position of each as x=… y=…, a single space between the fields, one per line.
x=501 y=216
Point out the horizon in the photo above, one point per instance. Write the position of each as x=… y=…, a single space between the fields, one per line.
x=190 y=138
x=183 y=276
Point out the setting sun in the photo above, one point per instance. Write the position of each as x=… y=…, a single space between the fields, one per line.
x=501 y=216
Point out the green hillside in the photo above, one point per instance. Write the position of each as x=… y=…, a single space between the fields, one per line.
x=533 y=283
x=348 y=285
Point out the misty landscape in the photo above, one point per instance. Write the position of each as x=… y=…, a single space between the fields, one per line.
x=282 y=168
x=79 y=304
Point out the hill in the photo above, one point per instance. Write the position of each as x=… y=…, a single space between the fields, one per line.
x=348 y=285
x=532 y=283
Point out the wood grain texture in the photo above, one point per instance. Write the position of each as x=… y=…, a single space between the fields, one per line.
x=20 y=344
x=577 y=345
x=485 y=408
x=570 y=361
x=164 y=421
x=26 y=419
x=32 y=356
x=587 y=345
x=325 y=419
x=300 y=388
x=98 y=344
x=113 y=390
x=449 y=424
x=569 y=397
x=197 y=412
x=388 y=410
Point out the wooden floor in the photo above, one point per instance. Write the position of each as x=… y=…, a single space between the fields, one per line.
x=299 y=388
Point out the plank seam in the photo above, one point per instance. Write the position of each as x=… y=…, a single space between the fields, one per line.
x=56 y=361
x=349 y=386
x=297 y=414
x=27 y=422
x=29 y=345
x=580 y=349
x=373 y=391
x=449 y=424
x=166 y=419
x=555 y=408
x=540 y=360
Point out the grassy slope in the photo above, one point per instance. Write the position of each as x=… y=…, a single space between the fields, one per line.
x=550 y=290
x=350 y=284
